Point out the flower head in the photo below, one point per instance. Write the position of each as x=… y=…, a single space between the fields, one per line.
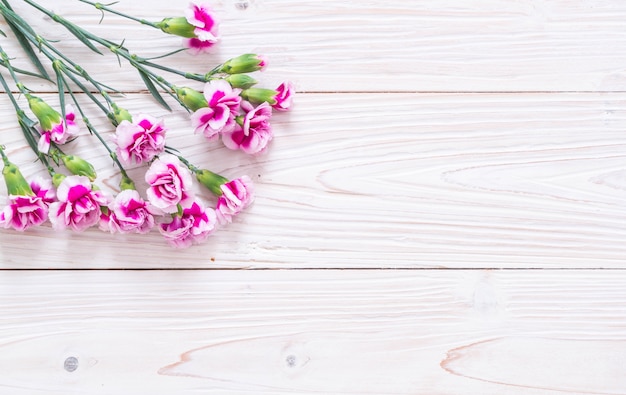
x=284 y=96
x=128 y=213
x=58 y=132
x=193 y=225
x=78 y=206
x=222 y=105
x=199 y=27
x=43 y=188
x=141 y=140
x=25 y=208
x=170 y=184
x=255 y=133
x=23 y=212
x=236 y=196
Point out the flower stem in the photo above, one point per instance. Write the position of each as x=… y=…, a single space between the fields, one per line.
x=102 y=7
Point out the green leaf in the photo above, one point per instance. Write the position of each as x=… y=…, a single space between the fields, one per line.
x=78 y=34
x=165 y=55
x=153 y=90
x=28 y=49
x=61 y=88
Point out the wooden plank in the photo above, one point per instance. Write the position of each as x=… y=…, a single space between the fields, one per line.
x=432 y=180
x=382 y=45
x=302 y=332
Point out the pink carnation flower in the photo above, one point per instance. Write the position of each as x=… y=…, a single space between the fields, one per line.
x=284 y=98
x=43 y=188
x=236 y=196
x=193 y=226
x=141 y=140
x=219 y=116
x=256 y=132
x=170 y=184
x=128 y=213
x=206 y=27
x=23 y=212
x=60 y=132
x=78 y=205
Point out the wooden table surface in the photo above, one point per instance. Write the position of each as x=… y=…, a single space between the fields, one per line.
x=443 y=212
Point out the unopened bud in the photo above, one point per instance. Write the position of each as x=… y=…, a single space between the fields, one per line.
x=241 y=81
x=246 y=63
x=15 y=181
x=191 y=98
x=79 y=166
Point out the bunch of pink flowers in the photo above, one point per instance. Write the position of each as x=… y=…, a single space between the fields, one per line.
x=228 y=107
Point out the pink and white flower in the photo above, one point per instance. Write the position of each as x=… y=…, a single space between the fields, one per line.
x=78 y=206
x=206 y=25
x=219 y=115
x=284 y=98
x=170 y=184
x=43 y=188
x=59 y=132
x=236 y=196
x=256 y=132
x=23 y=212
x=141 y=140
x=128 y=213
x=194 y=225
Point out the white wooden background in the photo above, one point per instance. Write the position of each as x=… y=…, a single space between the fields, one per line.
x=443 y=212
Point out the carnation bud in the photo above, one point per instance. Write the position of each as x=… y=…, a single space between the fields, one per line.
x=259 y=95
x=178 y=26
x=242 y=81
x=79 y=166
x=121 y=114
x=191 y=98
x=126 y=183
x=46 y=115
x=15 y=181
x=57 y=179
x=211 y=180
x=246 y=63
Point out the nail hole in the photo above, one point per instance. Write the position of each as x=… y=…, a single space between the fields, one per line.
x=291 y=361
x=70 y=364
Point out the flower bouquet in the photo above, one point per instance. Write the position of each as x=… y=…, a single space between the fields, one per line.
x=226 y=106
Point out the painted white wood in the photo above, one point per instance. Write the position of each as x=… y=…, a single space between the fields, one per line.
x=382 y=45
x=394 y=180
x=302 y=332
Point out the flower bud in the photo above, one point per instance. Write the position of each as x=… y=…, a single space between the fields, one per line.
x=47 y=116
x=126 y=183
x=15 y=181
x=241 y=81
x=246 y=63
x=79 y=166
x=211 y=180
x=260 y=95
x=121 y=114
x=57 y=179
x=191 y=98
x=178 y=26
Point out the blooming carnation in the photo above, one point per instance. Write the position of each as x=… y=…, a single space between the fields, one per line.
x=206 y=27
x=128 y=213
x=193 y=226
x=59 y=132
x=170 y=184
x=219 y=115
x=256 y=132
x=141 y=140
x=23 y=212
x=78 y=206
x=236 y=196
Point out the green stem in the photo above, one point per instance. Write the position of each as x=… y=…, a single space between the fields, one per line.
x=102 y=7
x=189 y=165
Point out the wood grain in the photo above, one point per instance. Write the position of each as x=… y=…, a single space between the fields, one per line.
x=430 y=180
x=302 y=332
x=382 y=45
